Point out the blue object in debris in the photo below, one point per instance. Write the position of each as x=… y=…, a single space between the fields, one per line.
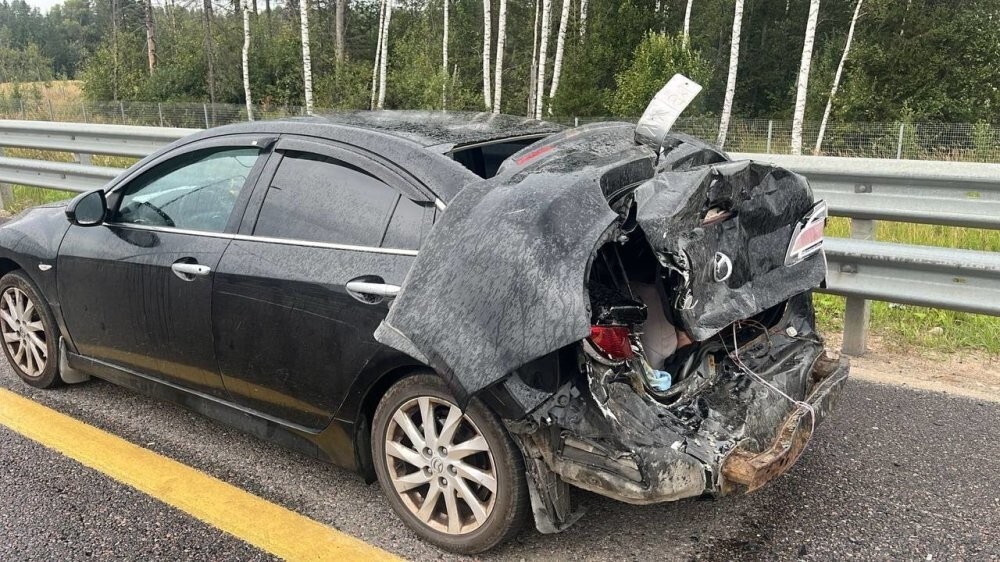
x=659 y=380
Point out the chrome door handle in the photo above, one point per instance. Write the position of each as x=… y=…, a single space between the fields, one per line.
x=188 y=271
x=374 y=289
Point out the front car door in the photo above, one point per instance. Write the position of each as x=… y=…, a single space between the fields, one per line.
x=290 y=339
x=137 y=290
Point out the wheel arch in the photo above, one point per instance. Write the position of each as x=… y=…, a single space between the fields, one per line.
x=7 y=265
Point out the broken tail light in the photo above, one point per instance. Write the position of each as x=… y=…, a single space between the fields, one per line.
x=807 y=238
x=613 y=341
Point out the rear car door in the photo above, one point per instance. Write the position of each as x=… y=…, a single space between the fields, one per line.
x=137 y=290
x=289 y=336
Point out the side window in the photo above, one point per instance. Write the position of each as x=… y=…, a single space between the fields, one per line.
x=196 y=191
x=406 y=226
x=320 y=199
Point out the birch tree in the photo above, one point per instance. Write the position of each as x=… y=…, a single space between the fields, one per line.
x=687 y=24
x=583 y=17
x=307 y=80
x=378 y=54
x=150 y=36
x=487 y=40
x=384 y=60
x=444 y=58
x=734 y=62
x=338 y=44
x=246 y=58
x=533 y=81
x=560 y=45
x=209 y=48
x=501 y=43
x=802 y=84
x=836 y=78
x=543 y=51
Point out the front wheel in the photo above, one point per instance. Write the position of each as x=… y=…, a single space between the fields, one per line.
x=29 y=331
x=454 y=477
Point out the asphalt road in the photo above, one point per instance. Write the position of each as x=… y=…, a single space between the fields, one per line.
x=895 y=474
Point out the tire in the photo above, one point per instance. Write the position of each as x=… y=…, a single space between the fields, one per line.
x=29 y=332
x=494 y=460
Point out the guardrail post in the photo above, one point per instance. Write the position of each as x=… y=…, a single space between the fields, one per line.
x=82 y=158
x=770 y=129
x=857 y=312
x=6 y=191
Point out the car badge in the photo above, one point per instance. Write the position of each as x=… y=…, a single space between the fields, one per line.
x=723 y=267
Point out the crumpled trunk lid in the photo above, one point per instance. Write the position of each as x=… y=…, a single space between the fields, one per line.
x=721 y=234
x=502 y=278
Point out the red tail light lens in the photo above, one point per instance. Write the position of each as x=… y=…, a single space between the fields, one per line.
x=612 y=341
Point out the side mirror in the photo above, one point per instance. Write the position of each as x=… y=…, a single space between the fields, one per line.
x=88 y=209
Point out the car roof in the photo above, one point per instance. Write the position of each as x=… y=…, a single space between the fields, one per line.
x=441 y=131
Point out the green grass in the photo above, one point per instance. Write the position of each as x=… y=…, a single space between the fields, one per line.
x=906 y=327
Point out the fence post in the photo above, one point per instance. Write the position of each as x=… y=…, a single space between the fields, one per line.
x=83 y=108
x=205 y=107
x=21 y=100
x=770 y=129
x=899 y=145
x=576 y=121
x=159 y=110
x=121 y=107
x=857 y=312
x=6 y=191
x=52 y=115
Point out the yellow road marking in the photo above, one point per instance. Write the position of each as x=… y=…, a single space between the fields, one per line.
x=267 y=526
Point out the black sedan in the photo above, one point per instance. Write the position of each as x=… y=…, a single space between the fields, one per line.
x=586 y=309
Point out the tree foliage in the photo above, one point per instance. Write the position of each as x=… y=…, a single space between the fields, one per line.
x=915 y=59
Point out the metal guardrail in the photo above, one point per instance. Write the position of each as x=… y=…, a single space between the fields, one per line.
x=865 y=190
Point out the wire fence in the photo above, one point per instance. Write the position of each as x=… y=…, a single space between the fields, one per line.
x=979 y=142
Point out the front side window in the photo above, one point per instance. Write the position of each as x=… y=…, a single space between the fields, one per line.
x=197 y=191
x=319 y=199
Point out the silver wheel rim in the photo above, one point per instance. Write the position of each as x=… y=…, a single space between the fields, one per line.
x=440 y=465
x=23 y=332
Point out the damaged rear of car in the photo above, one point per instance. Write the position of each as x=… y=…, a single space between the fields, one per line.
x=636 y=309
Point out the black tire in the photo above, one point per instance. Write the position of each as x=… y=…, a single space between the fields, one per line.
x=508 y=505
x=48 y=376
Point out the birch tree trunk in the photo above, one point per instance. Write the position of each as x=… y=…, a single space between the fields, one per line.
x=734 y=62
x=583 y=17
x=687 y=24
x=501 y=43
x=560 y=45
x=543 y=51
x=209 y=49
x=307 y=84
x=150 y=36
x=246 y=58
x=444 y=58
x=802 y=84
x=534 y=62
x=487 y=40
x=378 y=54
x=384 y=63
x=338 y=46
x=836 y=78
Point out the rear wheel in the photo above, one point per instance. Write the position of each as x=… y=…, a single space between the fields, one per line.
x=455 y=478
x=29 y=331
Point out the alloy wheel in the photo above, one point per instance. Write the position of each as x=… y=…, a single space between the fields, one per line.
x=23 y=332
x=441 y=465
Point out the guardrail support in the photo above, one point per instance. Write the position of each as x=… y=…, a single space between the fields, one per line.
x=6 y=191
x=857 y=312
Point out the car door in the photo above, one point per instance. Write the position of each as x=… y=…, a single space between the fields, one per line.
x=136 y=291
x=289 y=336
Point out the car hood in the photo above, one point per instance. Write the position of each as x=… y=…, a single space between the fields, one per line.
x=502 y=278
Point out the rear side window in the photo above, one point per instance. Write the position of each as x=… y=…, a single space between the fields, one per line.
x=319 y=199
